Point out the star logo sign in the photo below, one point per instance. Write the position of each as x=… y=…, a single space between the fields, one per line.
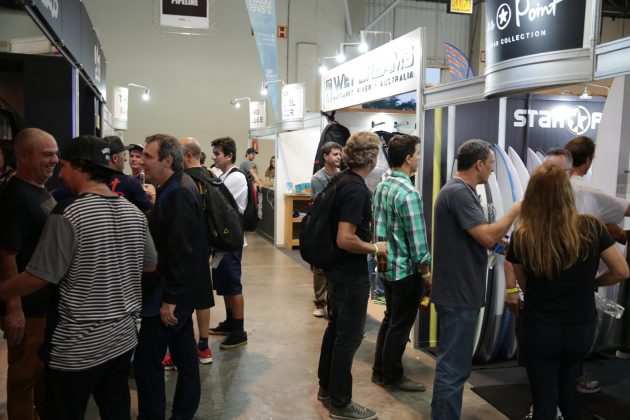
x=578 y=120
x=504 y=15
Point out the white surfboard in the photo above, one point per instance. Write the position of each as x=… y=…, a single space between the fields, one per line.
x=533 y=161
x=521 y=169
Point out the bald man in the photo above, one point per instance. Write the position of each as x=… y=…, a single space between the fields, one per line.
x=24 y=205
x=193 y=167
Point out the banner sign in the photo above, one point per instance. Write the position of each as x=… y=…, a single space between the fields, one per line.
x=69 y=27
x=518 y=28
x=262 y=16
x=257 y=114
x=185 y=14
x=460 y=6
x=386 y=71
x=121 y=108
x=293 y=102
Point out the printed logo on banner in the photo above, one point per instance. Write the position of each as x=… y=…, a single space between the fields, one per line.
x=518 y=28
x=53 y=6
x=576 y=119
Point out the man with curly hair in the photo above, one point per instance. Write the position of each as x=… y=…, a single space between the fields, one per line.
x=347 y=281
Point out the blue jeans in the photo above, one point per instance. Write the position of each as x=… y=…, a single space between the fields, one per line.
x=347 y=296
x=454 y=361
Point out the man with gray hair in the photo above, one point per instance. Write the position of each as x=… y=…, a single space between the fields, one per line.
x=348 y=286
x=177 y=225
x=461 y=240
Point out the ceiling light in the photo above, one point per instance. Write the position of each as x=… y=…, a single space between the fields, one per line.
x=586 y=94
x=237 y=102
x=146 y=95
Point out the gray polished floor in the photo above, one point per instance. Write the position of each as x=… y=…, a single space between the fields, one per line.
x=275 y=375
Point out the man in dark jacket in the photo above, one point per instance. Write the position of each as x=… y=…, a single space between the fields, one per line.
x=177 y=226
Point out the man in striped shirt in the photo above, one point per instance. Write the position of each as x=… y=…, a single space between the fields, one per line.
x=94 y=248
x=400 y=222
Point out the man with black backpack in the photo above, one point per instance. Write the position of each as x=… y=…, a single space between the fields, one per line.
x=227 y=276
x=347 y=277
x=202 y=177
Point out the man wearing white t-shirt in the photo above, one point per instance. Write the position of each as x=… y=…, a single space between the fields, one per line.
x=227 y=276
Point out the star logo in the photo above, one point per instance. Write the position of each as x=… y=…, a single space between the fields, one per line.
x=578 y=120
x=504 y=15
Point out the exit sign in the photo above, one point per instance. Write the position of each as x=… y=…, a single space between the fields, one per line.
x=283 y=31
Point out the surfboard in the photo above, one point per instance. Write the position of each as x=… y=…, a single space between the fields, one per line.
x=507 y=177
x=521 y=169
x=533 y=161
x=484 y=196
x=540 y=154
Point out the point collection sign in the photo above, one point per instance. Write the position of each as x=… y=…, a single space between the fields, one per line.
x=519 y=28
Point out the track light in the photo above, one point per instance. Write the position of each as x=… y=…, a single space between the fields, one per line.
x=146 y=95
x=237 y=102
x=586 y=94
x=363 y=45
x=264 y=91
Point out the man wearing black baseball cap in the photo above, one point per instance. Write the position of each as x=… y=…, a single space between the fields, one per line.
x=124 y=185
x=249 y=167
x=94 y=247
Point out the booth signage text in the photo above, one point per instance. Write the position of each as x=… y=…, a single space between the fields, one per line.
x=185 y=14
x=577 y=119
x=518 y=28
x=257 y=114
x=293 y=102
x=121 y=108
x=388 y=70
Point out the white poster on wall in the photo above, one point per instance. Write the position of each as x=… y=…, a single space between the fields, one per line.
x=121 y=107
x=293 y=102
x=185 y=13
x=388 y=70
x=257 y=114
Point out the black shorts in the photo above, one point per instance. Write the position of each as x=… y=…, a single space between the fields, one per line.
x=226 y=278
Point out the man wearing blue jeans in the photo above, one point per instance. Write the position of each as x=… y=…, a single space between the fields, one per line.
x=462 y=236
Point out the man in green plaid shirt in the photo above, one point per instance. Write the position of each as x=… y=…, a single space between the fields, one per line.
x=400 y=222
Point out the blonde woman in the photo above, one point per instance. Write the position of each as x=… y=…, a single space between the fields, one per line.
x=556 y=253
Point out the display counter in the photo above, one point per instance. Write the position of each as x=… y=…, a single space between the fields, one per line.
x=295 y=206
x=266 y=225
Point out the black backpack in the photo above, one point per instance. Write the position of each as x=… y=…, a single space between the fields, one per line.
x=253 y=210
x=225 y=230
x=318 y=232
x=334 y=132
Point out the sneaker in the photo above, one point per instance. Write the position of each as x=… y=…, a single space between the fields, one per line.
x=379 y=300
x=168 y=364
x=319 y=312
x=623 y=353
x=224 y=328
x=352 y=411
x=586 y=386
x=234 y=340
x=406 y=384
x=529 y=415
x=322 y=394
x=205 y=356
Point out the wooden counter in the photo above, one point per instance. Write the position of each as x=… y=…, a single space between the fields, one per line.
x=294 y=203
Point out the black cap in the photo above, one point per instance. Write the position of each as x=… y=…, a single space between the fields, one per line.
x=87 y=148
x=251 y=150
x=116 y=144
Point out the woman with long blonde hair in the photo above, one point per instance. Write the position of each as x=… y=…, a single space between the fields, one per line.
x=556 y=252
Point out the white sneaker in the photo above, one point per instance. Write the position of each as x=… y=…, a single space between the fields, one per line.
x=623 y=354
x=319 y=312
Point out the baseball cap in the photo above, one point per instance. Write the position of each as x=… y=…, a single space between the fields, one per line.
x=139 y=147
x=251 y=150
x=116 y=145
x=87 y=148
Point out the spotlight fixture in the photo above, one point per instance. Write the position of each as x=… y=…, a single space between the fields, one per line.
x=363 y=45
x=322 y=67
x=146 y=95
x=586 y=94
x=341 y=56
x=265 y=84
x=237 y=102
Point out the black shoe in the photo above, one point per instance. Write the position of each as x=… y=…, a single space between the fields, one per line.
x=377 y=379
x=322 y=394
x=406 y=384
x=224 y=328
x=235 y=339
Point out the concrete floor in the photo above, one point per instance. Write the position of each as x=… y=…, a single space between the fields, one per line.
x=275 y=375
